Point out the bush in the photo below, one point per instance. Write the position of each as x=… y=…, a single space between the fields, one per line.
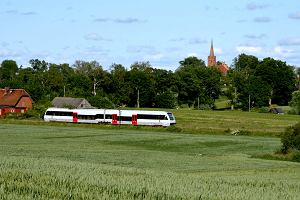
x=263 y=109
x=291 y=139
x=101 y=102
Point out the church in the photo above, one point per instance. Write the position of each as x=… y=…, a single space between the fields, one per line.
x=212 y=61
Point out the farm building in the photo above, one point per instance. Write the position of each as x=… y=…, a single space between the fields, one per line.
x=14 y=101
x=69 y=102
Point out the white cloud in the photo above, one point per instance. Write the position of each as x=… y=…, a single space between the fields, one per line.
x=95 y=37
x=295 y=15
x=192 y=55
x=218 y=50
x=290 y=42
x=262 y=19
x=249 y=49
x=154 y=57
x=256 y=6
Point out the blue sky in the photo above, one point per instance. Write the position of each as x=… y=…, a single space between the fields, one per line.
x=161 y=32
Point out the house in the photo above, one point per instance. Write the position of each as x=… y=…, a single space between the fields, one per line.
x=14 y=101
x=69 y=102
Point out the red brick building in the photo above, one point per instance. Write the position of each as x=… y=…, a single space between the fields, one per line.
x=14 y=101
x=212 y=61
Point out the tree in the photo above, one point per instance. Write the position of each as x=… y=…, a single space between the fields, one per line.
x=295 y=102
x=280 y=77
x=142 y=83
x=121 y=90
x=8 y=72
x=197 y=82
x=260 y=83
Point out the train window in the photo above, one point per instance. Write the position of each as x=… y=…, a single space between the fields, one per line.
x=58 y=113
x=99 y=116
x=86 y=117
x=49 y=113
x=108 y=117
x=155 y=117
x=171 y=116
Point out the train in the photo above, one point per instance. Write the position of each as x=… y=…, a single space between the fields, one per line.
x=110 y=116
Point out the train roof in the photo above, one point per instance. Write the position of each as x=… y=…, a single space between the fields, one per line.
x=109 y=111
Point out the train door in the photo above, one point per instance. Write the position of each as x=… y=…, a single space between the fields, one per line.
x=75 y=117
x=114 y=119
x=134 y=119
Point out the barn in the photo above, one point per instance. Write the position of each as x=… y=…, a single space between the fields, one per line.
x=14 y=101
x=69 y=102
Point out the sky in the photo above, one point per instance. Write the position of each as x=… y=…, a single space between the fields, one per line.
x=162 y=32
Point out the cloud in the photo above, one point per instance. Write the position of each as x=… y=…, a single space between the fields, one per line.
x=197 y=41
x=218 y=50
x=4 y=44
x=255 y=37
x=16 y=12
x=95 y=37
x=8 y=53
x=255 y=6
x=289 y=42
x=283 y=51
x=262 y=19
x=28 y=13
x=95 y=50
x=181 y=39
x=128 y=20
x=154 y=57
x=13 y=12
x=142 y=49
x=242 y=21
x=192 y=55
x=102 y=20
x=249 y=49
x=295 y=15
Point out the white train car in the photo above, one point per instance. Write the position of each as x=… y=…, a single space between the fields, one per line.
x=110 y=116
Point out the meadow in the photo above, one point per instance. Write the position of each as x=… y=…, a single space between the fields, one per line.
x=84 y=162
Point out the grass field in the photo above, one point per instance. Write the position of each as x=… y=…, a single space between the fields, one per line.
x=74 y=162
x=220 y=122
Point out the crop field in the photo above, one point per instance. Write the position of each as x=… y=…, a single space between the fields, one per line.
x=218 y=122
x=74 y=162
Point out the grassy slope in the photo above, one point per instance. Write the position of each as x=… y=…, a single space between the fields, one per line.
x=205 y=122
x=218 y=122
x=87 y=163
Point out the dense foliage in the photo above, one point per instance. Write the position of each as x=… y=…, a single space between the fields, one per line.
x=142 y=85
x=291 y=139
x=250 y=83
x=260 y=83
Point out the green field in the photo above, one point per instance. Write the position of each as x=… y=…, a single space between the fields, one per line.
x=76 y=162
x=220 y=122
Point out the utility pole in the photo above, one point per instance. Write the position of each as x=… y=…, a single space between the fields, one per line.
x=138 y=98
x=64 y=90
x=249 y=103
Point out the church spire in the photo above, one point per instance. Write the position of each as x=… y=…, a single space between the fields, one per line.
x=212 y=48
x=211 y=60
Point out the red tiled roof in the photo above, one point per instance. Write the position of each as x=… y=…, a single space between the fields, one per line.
x=223 y=68
x=11 y=97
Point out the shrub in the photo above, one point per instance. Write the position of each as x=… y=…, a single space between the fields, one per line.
x=263 y=109
x=291 y=139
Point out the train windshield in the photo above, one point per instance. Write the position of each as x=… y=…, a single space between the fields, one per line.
x=171 y=116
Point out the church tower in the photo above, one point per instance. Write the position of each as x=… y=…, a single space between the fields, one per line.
x=211 y=60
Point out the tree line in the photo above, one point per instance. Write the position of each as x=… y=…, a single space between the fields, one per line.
x=249 y=83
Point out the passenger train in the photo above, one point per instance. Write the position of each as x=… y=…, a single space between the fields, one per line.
x=109 y=116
